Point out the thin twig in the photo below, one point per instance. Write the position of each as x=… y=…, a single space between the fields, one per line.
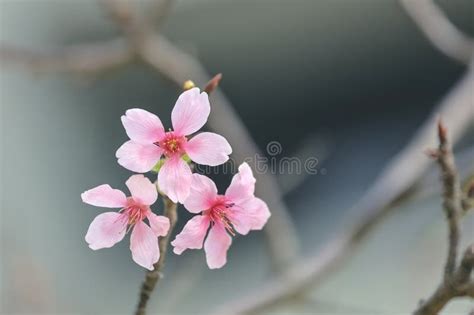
x=81 y=59
x=456 y=278
x=452 y=195
x=439 y=30
x=429 y=184
x=455 y=108
x=468 y=194
x=457 y=286
x=152 y=277
x=401 y=173
x=293 y=282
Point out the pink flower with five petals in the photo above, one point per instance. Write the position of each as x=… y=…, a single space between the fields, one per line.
x=236 y=211
x=109 y=228
x=149 y=142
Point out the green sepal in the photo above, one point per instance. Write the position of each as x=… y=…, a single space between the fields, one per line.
x=186 y=158
x=158 y=166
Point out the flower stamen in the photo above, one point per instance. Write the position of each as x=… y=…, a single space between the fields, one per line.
x=135 y=214
x=219 y=214
x=172 y=144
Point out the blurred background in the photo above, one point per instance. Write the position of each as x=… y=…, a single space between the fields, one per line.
x=347 y=82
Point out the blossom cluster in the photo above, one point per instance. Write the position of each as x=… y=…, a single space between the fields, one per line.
x=219 y=217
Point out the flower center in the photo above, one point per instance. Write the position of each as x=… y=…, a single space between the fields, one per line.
x=134 y=212
x=172 y=144
x=220 y=213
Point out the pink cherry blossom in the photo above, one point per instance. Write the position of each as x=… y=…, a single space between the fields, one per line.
x=236 y=211
x=109 y=228
x=149 y=142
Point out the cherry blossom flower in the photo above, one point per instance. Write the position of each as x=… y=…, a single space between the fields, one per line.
x=236 y=211
x=149 y=142
x=109 y=228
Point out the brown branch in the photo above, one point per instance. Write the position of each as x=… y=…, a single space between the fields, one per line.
x=456 y=108
x=152 y=277
x=456 y=278
x=452 y=196
x=434 y=24
x=470 y=289
x=293 y=282
x=401 y=173
x=77 y=59
x=314 y=269
x=455 y=286
x=468 y=194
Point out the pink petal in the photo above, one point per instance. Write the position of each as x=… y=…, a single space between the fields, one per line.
x=192 y=236
x=106 y=230
x=142 y=126
x=252 y=214
x=208 y=148
x=144 y=246
x=104 y=196
x=138 y=157
x=142 y=189
x=216 y=246
x=174 y=179
x=159 y=224
x=242 y=186
x=190 y=112
x=202 y=195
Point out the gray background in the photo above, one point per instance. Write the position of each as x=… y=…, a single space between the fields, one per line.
x=356 y=75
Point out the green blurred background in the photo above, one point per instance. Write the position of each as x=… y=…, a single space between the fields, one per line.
x=349 y=80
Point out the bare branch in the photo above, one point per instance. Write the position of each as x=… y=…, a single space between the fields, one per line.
x=456 y=110
x=456 y=286
x=312 y=270
x=293 y=282
x=468 y=194
x=456 y=278
x=152 y=277
x=78 y=59
x=452 y=195
x=439 y=30
x=470 y=290
x=467 y=264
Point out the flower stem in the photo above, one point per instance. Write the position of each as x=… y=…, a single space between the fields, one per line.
x=152 y=277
